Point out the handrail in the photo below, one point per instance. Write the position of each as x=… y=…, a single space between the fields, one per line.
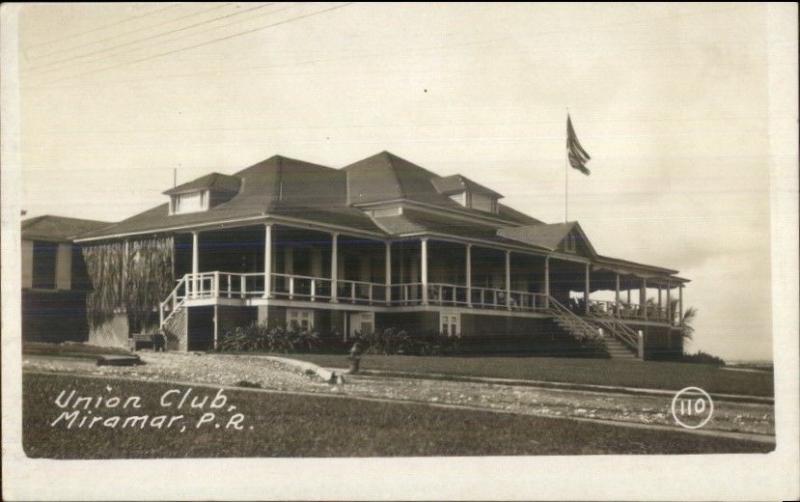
x=619 y=329
x=561 y=309
x=172 y=298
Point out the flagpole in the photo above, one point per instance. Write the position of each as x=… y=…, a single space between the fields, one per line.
x=566 y=178
x=566 y=187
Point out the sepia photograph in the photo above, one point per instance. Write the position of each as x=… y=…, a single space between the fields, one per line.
x=419 y=241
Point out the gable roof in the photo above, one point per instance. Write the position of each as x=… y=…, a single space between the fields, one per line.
x=548 y=236
x=457 y=183
x=58 y=228
x=215 y=182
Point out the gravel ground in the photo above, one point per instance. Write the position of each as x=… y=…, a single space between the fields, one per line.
x=642 y=409
x=269 y=374
x=190 y=367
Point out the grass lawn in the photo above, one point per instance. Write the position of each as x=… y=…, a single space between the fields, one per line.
x=648 y=374
x=281 y=425
x=79 y=350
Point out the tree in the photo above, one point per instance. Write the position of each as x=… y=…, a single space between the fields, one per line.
x=687 y=330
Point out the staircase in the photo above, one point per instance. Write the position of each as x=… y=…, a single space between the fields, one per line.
x=617 y=349
x=621 y=342
x=619 y=336
x=172 y=306
x=571 y=322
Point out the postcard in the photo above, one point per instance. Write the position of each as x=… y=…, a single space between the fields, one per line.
x=400 y=251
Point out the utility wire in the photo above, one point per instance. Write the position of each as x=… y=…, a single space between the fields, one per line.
x=186 y=35
x=599 y=27
x=146 y=39
x=202 y=44
x=103 y=27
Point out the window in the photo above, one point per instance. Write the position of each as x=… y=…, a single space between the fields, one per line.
x=44 y=265
x=483 y=202
x=571 y=243
x=189 y=202
x=460 y=197
x=300 y=319
x=387 y=211
x=365 y=323
x=450 y=324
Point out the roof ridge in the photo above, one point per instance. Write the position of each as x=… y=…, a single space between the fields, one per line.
x=389 y=156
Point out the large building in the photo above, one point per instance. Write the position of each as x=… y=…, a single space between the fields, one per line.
x=54 y=280
x=379 y=243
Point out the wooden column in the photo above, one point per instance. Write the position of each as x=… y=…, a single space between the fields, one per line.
x=388 y=271
x=195 y=262
x=547 y=282
x=267 y=260
x=216 y=325
x=643 y=299
x=508 y=280
x=424 y=269
x=123 y=278
x=680 y=304
x=335 y=269
x=616 y=296
x=587 y=288
x=669 y=304
x=469 y=274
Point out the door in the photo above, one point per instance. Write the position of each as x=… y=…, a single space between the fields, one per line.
x=361 y=322
x=201 y=328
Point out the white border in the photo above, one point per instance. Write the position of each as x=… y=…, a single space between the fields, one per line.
x=618 y=477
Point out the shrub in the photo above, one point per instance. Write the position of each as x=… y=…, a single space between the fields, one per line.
x=393 y=341
x=260 y=337
x=701 y=357
x=247 y=384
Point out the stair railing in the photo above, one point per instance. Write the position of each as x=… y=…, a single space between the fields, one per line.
x=559 y=310
x=174 y=301
x=619 y=330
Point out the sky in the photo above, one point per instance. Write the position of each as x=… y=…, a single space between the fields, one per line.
x=671 y=101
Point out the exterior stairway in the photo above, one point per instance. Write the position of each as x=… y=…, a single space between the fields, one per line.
x=616 y=349
x=621 y=342
x=172 y=306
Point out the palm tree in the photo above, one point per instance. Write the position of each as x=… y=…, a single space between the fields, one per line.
x=686 y=323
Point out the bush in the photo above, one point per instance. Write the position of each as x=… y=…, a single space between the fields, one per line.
x=393 y=341
x=259 y=337
x=701 y=357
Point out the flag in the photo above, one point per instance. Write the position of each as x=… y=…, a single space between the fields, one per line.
x=575 y=152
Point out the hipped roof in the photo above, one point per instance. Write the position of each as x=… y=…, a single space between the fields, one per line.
x=58 y=228
x=215 y=182
x=285 y=187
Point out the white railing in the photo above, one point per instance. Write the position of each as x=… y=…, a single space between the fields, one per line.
x=360 y=292
x=447 y=294
x=456 y=295
x=301 y=287
x=407 y=293
x=173 y=302
x=206 y=285
x=490 y=298
x=632 y=311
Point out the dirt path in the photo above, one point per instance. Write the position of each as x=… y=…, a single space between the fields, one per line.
x=230 y=370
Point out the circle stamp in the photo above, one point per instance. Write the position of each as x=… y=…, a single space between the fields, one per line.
x=692 y=407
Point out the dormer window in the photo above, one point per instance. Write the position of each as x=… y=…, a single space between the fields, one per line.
x=190 y=202
x=483 y=202
x=203 y=193
x=467 y=193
